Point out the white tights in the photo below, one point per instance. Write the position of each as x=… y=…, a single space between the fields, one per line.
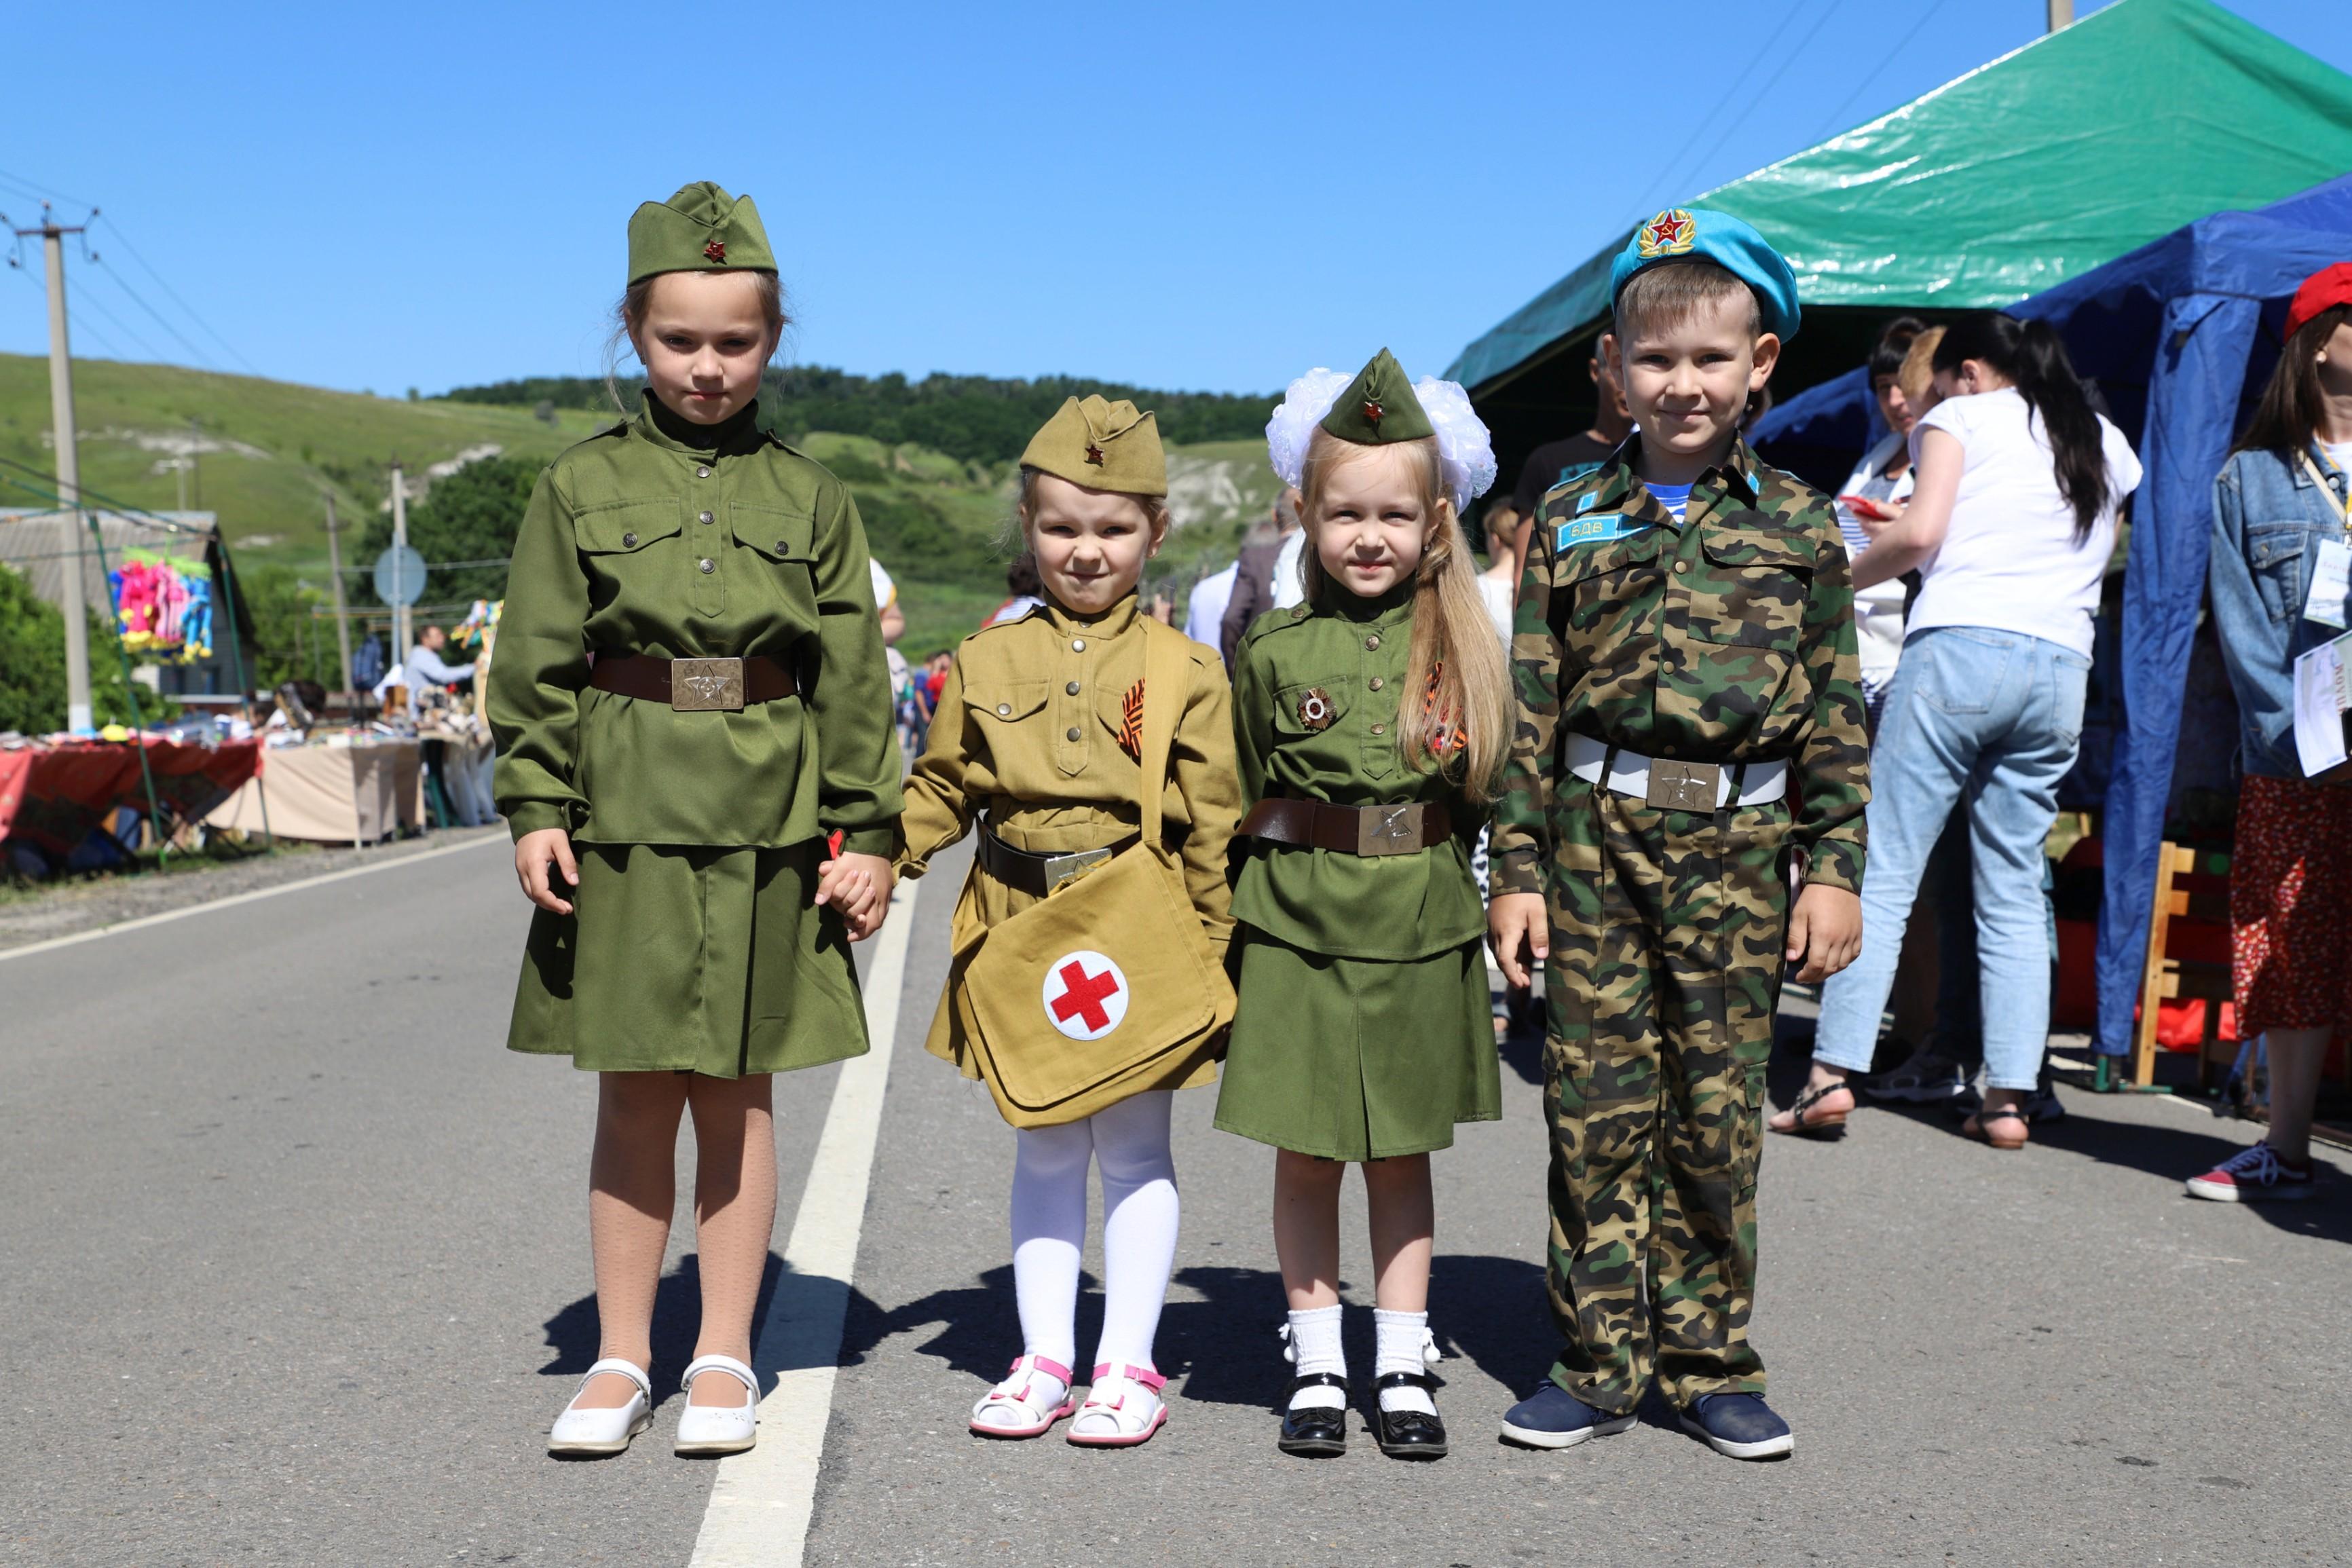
x=1129 y=1142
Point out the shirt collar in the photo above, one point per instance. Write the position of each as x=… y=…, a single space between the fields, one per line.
x=1737 y=479
x=739 y=432
x=1110 y=623
x=1389 y=608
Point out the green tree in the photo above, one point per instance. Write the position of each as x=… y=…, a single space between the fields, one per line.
x=287 y=642
x=472 y=515
x=33 y=665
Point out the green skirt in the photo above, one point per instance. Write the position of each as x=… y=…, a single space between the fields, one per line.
x=1357 y=1058
x=690 y=960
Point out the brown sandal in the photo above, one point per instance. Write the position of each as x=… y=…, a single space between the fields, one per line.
x=1979 y=1126
x=1830 y=1124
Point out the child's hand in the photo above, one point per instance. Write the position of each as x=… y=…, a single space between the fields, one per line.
x=859 y=887
x=533 y=853
x=1825 y=930
x=1521 y=931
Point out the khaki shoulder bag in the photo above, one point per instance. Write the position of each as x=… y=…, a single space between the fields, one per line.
x=1108 y=985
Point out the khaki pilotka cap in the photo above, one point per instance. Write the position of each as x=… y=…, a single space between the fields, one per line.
x=1379 y=407
x=700 y=229
x=1102 y=446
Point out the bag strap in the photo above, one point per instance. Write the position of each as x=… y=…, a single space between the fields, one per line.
x=1167 y=686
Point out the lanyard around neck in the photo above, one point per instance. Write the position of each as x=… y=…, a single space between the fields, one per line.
x=2343 y=504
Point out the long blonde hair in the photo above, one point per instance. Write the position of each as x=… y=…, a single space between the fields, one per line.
x=1465 y=729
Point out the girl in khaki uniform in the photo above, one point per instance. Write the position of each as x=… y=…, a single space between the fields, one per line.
x=1037 y=732
x=689 y=697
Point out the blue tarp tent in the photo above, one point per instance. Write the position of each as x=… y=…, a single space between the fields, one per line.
x=2181 y=334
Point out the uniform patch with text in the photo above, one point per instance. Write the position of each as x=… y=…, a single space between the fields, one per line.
x=1594 y=528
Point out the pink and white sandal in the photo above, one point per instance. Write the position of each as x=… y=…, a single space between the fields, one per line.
x=1124 y=1406
x=1017 y=1401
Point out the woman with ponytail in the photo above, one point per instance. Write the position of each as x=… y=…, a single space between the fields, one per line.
x=2010 y=526
x=2280 y=503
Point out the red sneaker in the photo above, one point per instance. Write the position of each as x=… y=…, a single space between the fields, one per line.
x=2253 y=1175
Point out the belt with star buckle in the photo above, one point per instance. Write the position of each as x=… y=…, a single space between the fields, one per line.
x=1404 y=830
x=694 y=685
x=1040 y=875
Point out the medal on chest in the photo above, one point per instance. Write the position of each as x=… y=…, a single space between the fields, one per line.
x=1315 y=710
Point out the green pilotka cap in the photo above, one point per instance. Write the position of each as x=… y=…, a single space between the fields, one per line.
x=1101 y=445
x=700 y=229
x=1378 y=407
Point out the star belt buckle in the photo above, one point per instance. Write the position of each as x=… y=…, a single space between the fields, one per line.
x=705 y=685
x=1684 y=786
x=1063 y=869
x=1388 y=830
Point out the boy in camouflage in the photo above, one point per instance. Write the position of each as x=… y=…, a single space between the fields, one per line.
x=1689 y=717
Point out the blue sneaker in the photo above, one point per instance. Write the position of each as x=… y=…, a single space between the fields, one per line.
x=1739 y=1425
x=1552 y=1417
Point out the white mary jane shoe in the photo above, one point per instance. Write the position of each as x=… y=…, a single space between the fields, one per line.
x=718 y=1428
x=607 y=1431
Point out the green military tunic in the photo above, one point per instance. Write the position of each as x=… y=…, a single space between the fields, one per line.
x=1726 y=636
x=699 y=834
x=1027 y=736
x=1363 y=1029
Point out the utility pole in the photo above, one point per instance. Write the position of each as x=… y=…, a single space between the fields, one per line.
x=75 y=598
x=2062 y=14
x=335 y=576
x=399 y=543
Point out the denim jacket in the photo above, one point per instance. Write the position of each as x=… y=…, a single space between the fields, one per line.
x=2269 y=518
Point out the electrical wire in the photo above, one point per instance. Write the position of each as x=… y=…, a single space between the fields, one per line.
x=116 y=236
x=114 y=274
x=1835 y=120
x=89 y=303
x=1763 y=93
x=1722 y=102
x=39 y=192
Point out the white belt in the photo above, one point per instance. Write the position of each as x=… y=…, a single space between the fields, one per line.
x=1678 y=786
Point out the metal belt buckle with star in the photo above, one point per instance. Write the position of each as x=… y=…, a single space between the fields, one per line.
x=705 y=685
x=1314 y=710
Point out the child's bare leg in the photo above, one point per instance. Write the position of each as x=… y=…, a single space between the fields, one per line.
x=1403 y=1223
x=734 y=1216
x=631 y=1187
x=1306 y=1227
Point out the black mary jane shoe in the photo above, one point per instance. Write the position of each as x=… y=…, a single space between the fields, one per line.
x=1408 y=1434
x=1315 y=1431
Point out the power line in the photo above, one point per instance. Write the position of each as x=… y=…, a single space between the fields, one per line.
x=1765 y=92
x=123 y=283
x=1722 y=102
x=37 y=190
x=1836 y=118
x=119 y=237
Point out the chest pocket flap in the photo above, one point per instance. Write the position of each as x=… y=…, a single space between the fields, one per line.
x=1311 y=706
x=2269 y=544
x=1594 y=556
x=1755 y=590
x=1005 y=702
x=619 y=528
x=778 y=532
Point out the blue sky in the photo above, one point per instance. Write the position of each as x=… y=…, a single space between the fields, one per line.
x=1212 y=195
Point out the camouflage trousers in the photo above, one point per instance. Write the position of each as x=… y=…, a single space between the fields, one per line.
x=1667 y=935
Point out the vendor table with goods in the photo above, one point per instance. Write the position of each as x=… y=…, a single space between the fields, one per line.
x=53 y=795
x=332 y=793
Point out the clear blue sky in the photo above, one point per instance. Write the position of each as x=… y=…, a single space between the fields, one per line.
x=1206 y=196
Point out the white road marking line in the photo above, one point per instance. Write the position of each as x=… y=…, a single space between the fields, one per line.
x=319 y=882
x=760 y=1500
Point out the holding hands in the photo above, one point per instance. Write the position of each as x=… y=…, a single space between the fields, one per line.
x=859 y=887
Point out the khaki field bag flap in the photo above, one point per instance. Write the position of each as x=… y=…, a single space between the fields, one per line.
x=1107 y=986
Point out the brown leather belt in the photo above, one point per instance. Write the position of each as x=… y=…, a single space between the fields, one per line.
x=693 y=685
x=1350 y=829
x=1041 y=874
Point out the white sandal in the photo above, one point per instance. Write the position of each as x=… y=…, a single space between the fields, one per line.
x=1124 y=1403
x=1027 y=1416
x=603 y=1431
x=718 y=1428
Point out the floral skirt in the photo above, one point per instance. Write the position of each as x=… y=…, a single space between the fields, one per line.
x=2291 y=906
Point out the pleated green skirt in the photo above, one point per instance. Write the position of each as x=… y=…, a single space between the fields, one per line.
x=690 y=960
x=1357 y=1058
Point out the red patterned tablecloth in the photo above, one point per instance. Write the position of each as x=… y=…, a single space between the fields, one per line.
x=51 y=796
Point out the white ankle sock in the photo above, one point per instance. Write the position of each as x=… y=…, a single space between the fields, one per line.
x=1401 y=1336
x=1315 y=1348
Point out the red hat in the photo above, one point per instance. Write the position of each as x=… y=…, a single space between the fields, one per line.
x=2327 y=287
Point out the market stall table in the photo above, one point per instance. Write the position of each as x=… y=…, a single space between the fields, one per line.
x=333 y=794
x=52 y=797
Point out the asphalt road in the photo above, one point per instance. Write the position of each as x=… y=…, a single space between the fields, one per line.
x=293 y=1262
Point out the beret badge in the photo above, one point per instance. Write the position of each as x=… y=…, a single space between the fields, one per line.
x=1671 y=233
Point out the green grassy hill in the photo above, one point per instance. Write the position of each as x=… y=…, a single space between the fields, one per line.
x=266 y=452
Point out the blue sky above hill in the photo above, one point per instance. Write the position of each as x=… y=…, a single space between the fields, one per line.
x=1212 y=195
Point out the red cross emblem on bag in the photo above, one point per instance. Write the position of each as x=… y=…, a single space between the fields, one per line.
x=1086 y=995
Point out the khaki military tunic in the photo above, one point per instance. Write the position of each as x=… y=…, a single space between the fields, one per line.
x=1363 y=1029
x=693 y=945
x=1027 y=738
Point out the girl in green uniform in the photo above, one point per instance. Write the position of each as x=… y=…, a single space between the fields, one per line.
x=690 y=698
x=1371 y=722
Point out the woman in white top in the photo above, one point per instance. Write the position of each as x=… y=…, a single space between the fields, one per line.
x=1498 y=585
x=2011 y=525
x=1874 y=496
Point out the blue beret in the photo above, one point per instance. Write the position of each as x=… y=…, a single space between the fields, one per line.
x=1723 y=239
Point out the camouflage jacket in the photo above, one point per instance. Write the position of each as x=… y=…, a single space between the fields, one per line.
x=1726 y=637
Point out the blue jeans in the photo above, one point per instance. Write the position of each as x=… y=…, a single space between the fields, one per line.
x=1992 y=719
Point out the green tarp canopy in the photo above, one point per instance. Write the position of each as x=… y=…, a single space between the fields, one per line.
x=2048 y=161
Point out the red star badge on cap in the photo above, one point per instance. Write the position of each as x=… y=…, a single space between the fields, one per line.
x=1094 y=454
x=1374 y=412
x=1668 y=234
x=716 y=250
